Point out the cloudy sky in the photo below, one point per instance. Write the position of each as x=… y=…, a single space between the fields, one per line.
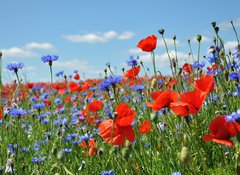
x=88 y=34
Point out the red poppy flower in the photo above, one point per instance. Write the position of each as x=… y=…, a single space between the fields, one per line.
x=94 y=106
x=91 y=146
x=221 y=131
x=191 y=102
x=114 y=134
x=74 y=87
x=162 y=99
x=148 y=44
x=187 y=68
x=132 y=73
x=145 y=127
x=76 y=77
x=125 y=115
x=205 y=84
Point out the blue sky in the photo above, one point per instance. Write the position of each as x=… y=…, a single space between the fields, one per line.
x=88 y=34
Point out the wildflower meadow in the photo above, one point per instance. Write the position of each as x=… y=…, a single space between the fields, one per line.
x=136 y=122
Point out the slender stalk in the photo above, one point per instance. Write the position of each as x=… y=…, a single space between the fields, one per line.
x=175 y=48
x=234 y=29
x=168 y=55
x=191 y=52
x=199 y=44
x=154 y=64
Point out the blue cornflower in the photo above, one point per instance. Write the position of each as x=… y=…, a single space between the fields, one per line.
x=176 y=173
x=60 y=73
x=67 y=150
x=229 y=118
x=234 y=76
x=139 y=88
x=160 y=83
x=199 y=65
x=75 y=71
x=108 y=172
x=17 y=112
x=105 y=85
x=39 y=106
x=113 y=80
x=15 y=66
x=49 y=58
x=37 y=160
x=236 y=53
x=45 y=121
x=132 y=61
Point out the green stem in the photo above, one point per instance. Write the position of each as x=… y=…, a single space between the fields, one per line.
x=199 y=44
x=154 y=64
x=168 y=55
x=175 y=47
x=190 y=47
x=235 y=34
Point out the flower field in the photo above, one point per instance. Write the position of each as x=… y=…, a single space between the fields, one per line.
x=187 y=122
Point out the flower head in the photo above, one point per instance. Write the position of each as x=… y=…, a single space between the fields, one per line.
x=14 y=66
x=49 y=59
x=148 y=44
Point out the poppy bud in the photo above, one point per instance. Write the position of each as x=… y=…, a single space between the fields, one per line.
x=123 y=69
x=154 y=116
x=213 y=24
x=0 y=54
x=141 y=62
x=65 y=76
x=216 y=29
x=60 y=155
x=105 y=70
x=113 y=150
x=154 y=83
x=225 y=73
x=185 y=155
x=188 y=40
x=174 y=37
x=128 y=144
x=179 y=71
x=222 y=54
x=161 y=31
x=115 y=115
x=199 y=38
x=125 y=153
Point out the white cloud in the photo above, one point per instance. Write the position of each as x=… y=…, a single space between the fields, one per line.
x=43 y=46
x=230 y=45
x=99 y=37
x=82 y=65
x=227 y=24
x=126 y=35
x=17 y=52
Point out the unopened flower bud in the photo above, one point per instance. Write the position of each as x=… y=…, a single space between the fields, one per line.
x=185 y=155
x=199 y=38
x=115 y=115
x=216 y=29
x=154 y=83
x=60 y=155
x=154 y=116
x=0 y=54
x=226 y=73
x=174 y=37
x=213 y=24
x=123 y=69
x=125 y=153
x=161 y=31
